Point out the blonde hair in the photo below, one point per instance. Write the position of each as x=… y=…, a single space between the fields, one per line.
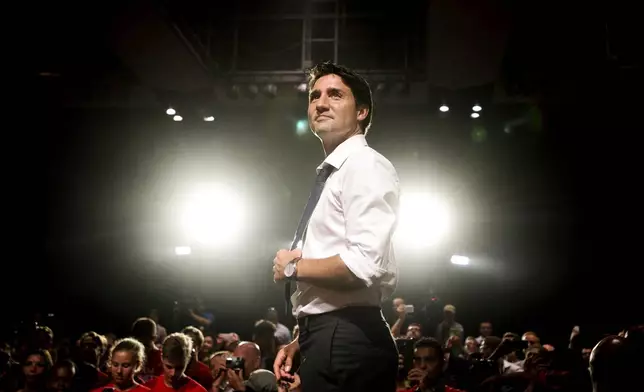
x=133 y=346
x=177 y=348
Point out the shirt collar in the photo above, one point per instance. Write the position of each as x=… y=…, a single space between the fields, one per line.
x=342 y=152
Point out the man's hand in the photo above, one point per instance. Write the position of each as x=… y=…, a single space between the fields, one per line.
x=282 y=258
x=574 y=333
x=284 y=362
x=400 y=311
x=235 y=380
x=417 y=375
x=220 y=377
x=454 y=342
x=290 y=386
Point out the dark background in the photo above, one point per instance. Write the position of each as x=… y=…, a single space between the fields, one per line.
x=547 y=182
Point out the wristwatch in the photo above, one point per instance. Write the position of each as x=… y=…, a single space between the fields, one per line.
x=290 y=270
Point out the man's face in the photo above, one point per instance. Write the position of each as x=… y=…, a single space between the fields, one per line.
x=428 y=360
x=486 y=349
x=90 y=350
x=172 y=372
x=61 y=380
x=471 y=346
x=533 y=341
x=485 y=329
x=449 y=316
x=414 y=332
x=218 y=363
x=251 y=359
x=332 y=109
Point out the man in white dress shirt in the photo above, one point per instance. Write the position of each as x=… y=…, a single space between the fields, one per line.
x=347 y=266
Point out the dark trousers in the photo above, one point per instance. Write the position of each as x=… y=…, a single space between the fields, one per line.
x=348 y=350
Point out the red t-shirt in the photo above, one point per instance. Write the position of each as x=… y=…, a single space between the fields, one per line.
x=153 y=365
x=138 y=388
x=187 y=385
x=101 y=377
x=200 y=372
x=416 y=389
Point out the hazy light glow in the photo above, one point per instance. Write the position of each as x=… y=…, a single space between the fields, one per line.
x=475 y=115
x=213 y=216
x=209 y=118
x=444 y=108
x=477 y=108
x=182 y=250
x=170 y=112
x=460 y=260
x=423 y=220
x=302 y=127
x=177 y=118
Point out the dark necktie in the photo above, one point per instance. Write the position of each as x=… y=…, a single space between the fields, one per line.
x=314 y=197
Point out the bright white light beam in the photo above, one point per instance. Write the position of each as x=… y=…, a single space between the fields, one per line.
x=213 y=216
x=182 y=250
x=460 y=260
x=423 y=220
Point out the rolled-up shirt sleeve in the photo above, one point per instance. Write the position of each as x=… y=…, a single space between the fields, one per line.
x=370 y=198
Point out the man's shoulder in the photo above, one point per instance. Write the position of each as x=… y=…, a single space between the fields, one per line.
x=368 y=159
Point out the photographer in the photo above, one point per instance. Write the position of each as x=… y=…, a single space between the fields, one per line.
x=242 y=372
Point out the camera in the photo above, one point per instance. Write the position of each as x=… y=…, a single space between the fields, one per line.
x=235 y=363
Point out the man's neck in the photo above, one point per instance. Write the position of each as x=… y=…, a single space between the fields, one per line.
x=126 y=385
x=330 y=143
x=176 y=384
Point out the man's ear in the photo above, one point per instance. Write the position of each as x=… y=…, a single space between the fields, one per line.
x=363 y=112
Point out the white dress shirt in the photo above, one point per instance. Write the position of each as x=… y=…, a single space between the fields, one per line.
x=355 y=218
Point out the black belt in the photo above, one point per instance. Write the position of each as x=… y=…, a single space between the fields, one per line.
x=356 y=314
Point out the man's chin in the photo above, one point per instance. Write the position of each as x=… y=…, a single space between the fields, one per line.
x=319 y=132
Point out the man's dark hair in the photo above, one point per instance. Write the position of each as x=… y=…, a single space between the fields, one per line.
x=358 y=85
x=430 y=343
x=144 y=328
x=177 y=348
x=196 y=336
x=264 y=329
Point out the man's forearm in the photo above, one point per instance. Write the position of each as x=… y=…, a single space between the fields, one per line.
x=395 y=329
x=329 y=273
x=201 y=320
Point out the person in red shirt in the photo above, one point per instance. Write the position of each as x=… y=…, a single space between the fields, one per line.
x=427 y=373
x=197 y=370
x=145 y=331
x=91 y=347
x=125 y=360
x=176 y=354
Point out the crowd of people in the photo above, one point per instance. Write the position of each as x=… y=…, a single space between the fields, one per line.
x=195 y=359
